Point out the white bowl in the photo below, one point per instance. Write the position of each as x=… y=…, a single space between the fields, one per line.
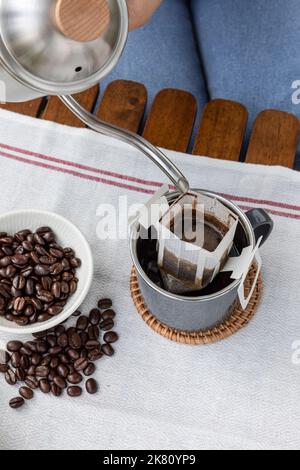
x=67 y=235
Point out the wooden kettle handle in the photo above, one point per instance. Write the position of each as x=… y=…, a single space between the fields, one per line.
x=82 y=20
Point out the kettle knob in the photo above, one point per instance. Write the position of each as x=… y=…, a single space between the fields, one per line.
x=82 y=20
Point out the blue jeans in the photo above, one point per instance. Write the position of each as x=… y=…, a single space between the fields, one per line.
x=243 y=50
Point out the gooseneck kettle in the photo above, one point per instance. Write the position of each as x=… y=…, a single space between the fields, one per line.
x=63 y=47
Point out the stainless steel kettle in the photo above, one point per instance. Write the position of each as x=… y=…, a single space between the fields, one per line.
x=62 y=47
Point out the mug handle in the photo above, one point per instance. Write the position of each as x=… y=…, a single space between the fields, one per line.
x=262 y=224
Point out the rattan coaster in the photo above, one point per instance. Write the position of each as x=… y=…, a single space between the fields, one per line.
x=238 y=319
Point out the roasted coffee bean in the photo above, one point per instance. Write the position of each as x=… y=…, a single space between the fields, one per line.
x=37 y=304
x=19 y=282
x=75 y=340
x=55 y=350
x=64 y=359
x=91 y=386
x=56 y=253
x=81 y=364
x=44 y=386
x=31 y=345
x=74 y=391
x=22 y=321
x=62 y=340
x=27 y=245
x=44 y=229
x=84 y=338
x=36 y=359
x=107 y=325
x=51 y=375
x=73 y=354
x=43 y=317
x=16 y=403
x=56 y=269
x=111 y=337
x=56 y=290
x=3 y=368
x=69 y=252
x=42 y=371
x=93 y=332
x=41 y=347
x=75 y=262
x=24 y=362
x=75 y=378
x=65 y=287
x=95 y=316
x=25 y=350
x=49 y=237
x=82 y=323
x=15 y=359
x=72 y=287
x=54 y=310
x=27 y=271
x=55 y=390
x=108 y=314
x=47 y=260
x=104 y=304
x=52 y=340
x=19 y=304
x=20 y=374
x=19 y=260
x=45 y=296
x=4 y=357
x=10 y=377
x=54 y=362
x=26 y=393
x=92 y=344
x=107 y=349
x=46 y=283
x=31 y=370
x=4 y=262
x=89 y=370
x=63 y=370
x=41 y=270
x=59 y=330
x=60 y=382
x=77 y=313
x=95 y=355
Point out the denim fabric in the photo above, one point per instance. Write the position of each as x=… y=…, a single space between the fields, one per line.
x=244 y=50
x=163 y=54
x=250 y=51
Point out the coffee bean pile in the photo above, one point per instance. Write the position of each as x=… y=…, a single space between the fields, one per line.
x=59 y=359
x=37 y=276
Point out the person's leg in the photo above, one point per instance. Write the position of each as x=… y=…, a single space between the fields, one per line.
x=163 y=54
x=250 y=50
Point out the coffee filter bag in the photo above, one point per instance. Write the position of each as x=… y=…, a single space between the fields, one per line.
x=185 y=264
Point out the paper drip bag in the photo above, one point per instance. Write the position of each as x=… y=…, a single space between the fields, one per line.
x=195 y=237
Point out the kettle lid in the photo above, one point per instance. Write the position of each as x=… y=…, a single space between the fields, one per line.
x=62 y=46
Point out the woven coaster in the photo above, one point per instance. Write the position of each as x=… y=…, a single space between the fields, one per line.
x=237 y=320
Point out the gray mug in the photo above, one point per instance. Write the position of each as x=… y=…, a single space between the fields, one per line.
x=201 y=312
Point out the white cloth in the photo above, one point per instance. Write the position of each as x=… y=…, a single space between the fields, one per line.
x=242 y=393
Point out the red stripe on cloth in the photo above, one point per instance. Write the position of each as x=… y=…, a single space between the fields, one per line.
x=81 y=167
x=114 y=183
x=75 y=173
x=142 y=181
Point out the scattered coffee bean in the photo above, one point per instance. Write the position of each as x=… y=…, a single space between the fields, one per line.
x=95 y=316
x=45 y=386
x=104 y=304
x=26 y=393
x=74 y=391
x=55 y=360
x=107 y=349
x=110 y=337
x=89 y=370
x=16 y=402
x=91 y=386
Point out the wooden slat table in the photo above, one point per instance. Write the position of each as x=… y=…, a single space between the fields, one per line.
x=170 y=123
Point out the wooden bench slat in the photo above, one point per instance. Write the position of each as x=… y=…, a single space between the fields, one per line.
x=29 y=108
x=171 y=120
x=56 y=111
x=123 y=104
x=274 y=139
x=222 y=129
